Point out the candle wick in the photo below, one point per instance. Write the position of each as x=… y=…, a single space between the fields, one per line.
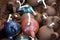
x=44 y=4
x=10 y=37
x=19 y=2
x=44 y=16
x=9 y=18
x=39 y=1
x=52 y=24
x=32 y=38
x=21 y=37
x=23 y=6
x=33 y=11
x=23 y=2
x=16 y=15
x=29 y=19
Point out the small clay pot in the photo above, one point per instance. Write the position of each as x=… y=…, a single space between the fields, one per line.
x=56 y=20
x=50 y=11
x=52 y=19
x=45 y=33
x=11 y=27
x=30 y=29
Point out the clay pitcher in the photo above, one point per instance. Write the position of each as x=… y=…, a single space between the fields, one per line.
x=46 y=33
x=31 y=29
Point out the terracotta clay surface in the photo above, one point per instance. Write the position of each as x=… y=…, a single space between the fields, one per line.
x=31 y=29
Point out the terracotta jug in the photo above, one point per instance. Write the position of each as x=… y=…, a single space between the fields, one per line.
x=50 y=11
x=30 y=29
x=46 y=33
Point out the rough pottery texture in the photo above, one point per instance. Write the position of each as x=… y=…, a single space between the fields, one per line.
x=31 y=29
